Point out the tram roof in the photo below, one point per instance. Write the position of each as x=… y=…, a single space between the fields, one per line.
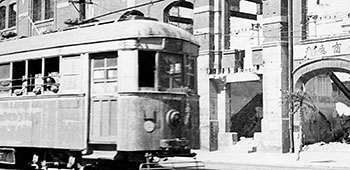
x=132 y=29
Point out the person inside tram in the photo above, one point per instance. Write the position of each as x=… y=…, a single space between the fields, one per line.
x=51 y=82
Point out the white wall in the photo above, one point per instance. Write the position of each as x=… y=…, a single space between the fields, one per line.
x=332 y=16
x=242 y=34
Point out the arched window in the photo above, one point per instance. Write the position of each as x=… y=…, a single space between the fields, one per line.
x=2 y=17
x=12 y=15
x=180 y=13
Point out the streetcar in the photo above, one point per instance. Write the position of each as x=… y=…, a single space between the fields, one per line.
x=99 y=95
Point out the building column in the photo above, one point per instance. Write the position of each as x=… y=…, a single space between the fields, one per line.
x=203 y=29
x=312 y=26
x=210 y=28
x=23 y=25
x=275 y=136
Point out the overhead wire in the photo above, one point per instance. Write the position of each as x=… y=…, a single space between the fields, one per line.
x=255 y=36
x=234 y=34
x=124 y=9
x=244 y=33
x=31 y=9
x=94 y=3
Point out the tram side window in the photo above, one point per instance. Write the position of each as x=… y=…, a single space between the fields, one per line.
x=170 y=71
x=147 y=68
x=18 y=77
x=5 y=78
x=34 y=80
x=41 y=76
x=51 y=74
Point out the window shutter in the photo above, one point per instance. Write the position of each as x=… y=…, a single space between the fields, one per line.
x=70 y=74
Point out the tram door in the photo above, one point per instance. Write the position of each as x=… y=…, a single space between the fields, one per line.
x=103 y=118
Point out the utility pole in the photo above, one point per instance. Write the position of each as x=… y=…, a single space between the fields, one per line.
x=290 y=74
x=81 y=10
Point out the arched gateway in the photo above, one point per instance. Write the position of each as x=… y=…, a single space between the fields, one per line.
x=311 y=68
x=324 y=89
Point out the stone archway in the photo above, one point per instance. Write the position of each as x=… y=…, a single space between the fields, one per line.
x=322 y=124
x=309 y=69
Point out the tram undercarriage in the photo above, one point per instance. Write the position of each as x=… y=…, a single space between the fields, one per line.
x=45 y=159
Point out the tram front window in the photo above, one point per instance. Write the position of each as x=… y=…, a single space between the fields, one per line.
x=166 y=71
x=146 y=68
x=170 y=71
x=190 y=73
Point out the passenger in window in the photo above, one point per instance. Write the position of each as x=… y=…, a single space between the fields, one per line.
x=177 y=68
x=38 y=84
x=51 y=82
x=19 y=92
x=5 y=83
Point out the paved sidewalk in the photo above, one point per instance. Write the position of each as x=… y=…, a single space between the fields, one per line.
x=323 y=160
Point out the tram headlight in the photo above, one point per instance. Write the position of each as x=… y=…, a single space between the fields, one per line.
x=149 y=126
x=173 y=118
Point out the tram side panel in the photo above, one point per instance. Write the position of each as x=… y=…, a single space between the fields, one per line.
x=47 y=123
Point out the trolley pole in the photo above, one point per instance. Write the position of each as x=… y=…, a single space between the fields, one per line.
x=82 y=10
x=290 y=74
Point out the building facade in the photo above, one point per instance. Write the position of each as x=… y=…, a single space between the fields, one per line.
x=320 y=34
x=320 y=70
x=218 y=25
x=35 y=17
x=233 y=75
x=241 y=67
x=321 y=57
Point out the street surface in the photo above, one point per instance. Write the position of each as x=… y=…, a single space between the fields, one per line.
x=233 y=166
